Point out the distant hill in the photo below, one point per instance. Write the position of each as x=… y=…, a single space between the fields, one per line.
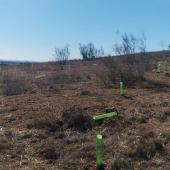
x=155 y=54
x=15 y=62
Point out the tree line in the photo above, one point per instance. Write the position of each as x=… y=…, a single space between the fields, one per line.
x=129 y=44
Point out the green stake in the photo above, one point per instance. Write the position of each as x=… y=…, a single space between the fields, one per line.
x=99 y=143
x=121 y=88
x=158 y=67
x=39 y=76
x=105 y=115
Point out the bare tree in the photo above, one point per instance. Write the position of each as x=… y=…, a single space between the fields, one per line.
x=88 y=51
x=61 y=55
x=118 y=49
x=100 y=52
x=130 y=44
x=92 y=51
x=83 y=51
x=162 y=44
x=142 y=43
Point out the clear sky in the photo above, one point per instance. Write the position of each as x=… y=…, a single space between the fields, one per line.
x=30 y=29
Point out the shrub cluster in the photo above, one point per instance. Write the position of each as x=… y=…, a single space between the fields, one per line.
x=13 y=84
x=129 y=69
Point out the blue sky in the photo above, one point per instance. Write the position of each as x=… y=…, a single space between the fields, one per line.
x=31 y=29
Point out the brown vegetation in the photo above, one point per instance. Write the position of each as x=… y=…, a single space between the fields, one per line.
x=46 y=123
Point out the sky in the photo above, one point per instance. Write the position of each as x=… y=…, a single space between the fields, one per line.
x=31 y=29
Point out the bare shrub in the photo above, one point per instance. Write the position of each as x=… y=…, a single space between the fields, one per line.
x=85 y=93
x=50 y=122
x=89 y=51
x=111 y=72
x=128 y=69
x=130 y=44
x=50 y=154
x=50 y=150
x=72 y=117
x=64 y=78
x=14 y=83
x=54 y=81
x=76 y=118
x=4 y=144
x=61 y=55
x=146 y=149
x=121 y=163
x=132 y=70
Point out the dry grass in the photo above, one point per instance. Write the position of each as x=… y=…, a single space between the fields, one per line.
x=14 y=82
x=49 y=126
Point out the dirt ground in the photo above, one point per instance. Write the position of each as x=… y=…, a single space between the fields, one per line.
x=39 y=130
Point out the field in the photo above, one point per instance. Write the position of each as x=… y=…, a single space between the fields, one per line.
x=45 y=117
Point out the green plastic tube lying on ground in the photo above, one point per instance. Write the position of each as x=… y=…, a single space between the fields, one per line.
x=105 y=115
x=39 y=76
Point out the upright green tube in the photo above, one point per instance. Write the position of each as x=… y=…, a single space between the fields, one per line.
x=121 y=88
x=99 y=151
x=158 y=67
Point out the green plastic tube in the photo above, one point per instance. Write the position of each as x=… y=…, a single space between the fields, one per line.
x=158 y=67
x=105 y=115
x=99 y=154
x=39 y=76
x=121 y=89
